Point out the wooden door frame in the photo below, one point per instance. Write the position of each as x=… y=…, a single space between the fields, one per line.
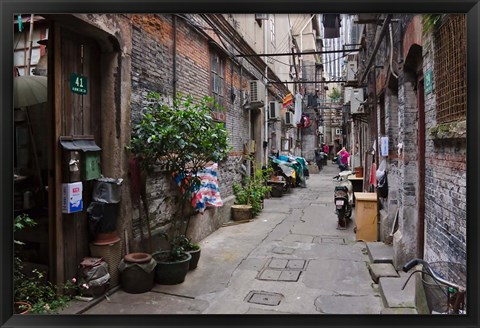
x=55 y=227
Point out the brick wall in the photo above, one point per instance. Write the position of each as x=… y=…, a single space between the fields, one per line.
x=152 y=70
x=445 y=194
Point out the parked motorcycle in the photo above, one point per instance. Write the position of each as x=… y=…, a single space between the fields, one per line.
x=343 y=197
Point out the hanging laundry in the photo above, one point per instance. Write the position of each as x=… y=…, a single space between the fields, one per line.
x=331 y=24
x=297 y=116
x=305 y=121
x=312 y=100
x=287 y=100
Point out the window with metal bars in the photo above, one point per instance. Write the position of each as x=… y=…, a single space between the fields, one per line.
x=217 y=78
x=450 y=44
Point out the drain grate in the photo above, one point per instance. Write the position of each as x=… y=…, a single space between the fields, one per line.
x=264 y=298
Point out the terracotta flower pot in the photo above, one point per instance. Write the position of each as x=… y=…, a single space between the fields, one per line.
x=22 y=307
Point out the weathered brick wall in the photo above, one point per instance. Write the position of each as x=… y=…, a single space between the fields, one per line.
x=152 y=70
x=152 y=54
x=445 y=194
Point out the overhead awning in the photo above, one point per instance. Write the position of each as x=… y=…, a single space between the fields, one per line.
x=83 y=143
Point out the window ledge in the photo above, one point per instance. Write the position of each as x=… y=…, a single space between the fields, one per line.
x=451 y=130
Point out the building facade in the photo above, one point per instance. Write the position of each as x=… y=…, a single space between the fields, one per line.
x=415 y=108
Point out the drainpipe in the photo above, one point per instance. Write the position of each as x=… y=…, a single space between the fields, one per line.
x=383 y=31
x=29 y=60
x=265 y=149
x=174 y=56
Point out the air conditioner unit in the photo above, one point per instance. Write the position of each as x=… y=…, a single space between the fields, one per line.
x=273 y=110
x=257 y=91
x=352 y=69
x=356 y=99
x=347 y=95
x=289 y=118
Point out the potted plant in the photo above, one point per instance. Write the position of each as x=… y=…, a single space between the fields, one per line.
x=192 y=248
x=183 y=139
x=249 y=197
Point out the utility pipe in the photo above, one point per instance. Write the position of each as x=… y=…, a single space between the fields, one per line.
x=174 y=56
x=265 y=149
x=391 y=51
x=29 y=60
x=386 y=23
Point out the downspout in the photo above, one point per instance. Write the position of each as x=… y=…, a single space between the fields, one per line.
x=265 y=145
x=386 y=23
x=174 y=56
x=391 y=51
x=29 y=60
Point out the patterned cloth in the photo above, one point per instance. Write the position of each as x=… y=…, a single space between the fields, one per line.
x=208 y=193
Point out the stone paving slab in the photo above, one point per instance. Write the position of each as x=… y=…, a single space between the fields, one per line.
x=148 y=303
x=398 y=311
x=340 y=304
x=379 y=270
x=394 y=296
x=379 y=252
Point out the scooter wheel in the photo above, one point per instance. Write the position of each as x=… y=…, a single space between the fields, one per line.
x=342 y=221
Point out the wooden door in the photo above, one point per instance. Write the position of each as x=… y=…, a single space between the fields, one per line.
x=75 y=115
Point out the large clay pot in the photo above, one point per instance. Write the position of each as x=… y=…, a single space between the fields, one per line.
x=137 y=273
x=168 y=272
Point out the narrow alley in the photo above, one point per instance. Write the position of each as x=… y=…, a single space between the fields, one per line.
x=290 y=259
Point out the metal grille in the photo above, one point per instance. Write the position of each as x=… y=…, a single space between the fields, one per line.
x=451 y=69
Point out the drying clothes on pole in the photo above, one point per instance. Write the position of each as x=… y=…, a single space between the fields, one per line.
x=287 y=100
x=331 y=24
x=297 y=116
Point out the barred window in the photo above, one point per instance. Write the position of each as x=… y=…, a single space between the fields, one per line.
x=451 y=69
x=217 y=79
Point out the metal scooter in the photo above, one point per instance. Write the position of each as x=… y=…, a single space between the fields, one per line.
x=343 y=197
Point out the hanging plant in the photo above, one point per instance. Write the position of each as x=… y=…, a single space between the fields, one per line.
x=431 y=22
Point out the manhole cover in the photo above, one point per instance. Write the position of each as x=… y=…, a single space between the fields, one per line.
x=288 y=275
x=270 y=275
x=283 y=250
x=296 y=264
x=277 y=264
x=264 y=298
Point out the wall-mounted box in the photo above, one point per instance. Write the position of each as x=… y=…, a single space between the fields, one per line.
x=89 y=162
x=72 y=200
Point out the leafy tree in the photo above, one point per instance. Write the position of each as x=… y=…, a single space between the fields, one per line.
x=182 y=137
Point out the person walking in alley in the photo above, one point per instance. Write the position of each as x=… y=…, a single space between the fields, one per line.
x=326 y=150
x=344 y=159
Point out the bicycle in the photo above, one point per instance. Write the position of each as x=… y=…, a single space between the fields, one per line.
x=443 y=295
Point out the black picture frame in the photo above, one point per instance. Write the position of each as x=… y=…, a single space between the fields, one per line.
x=9 y=7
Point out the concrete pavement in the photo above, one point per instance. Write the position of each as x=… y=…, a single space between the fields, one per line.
x=291 y=259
